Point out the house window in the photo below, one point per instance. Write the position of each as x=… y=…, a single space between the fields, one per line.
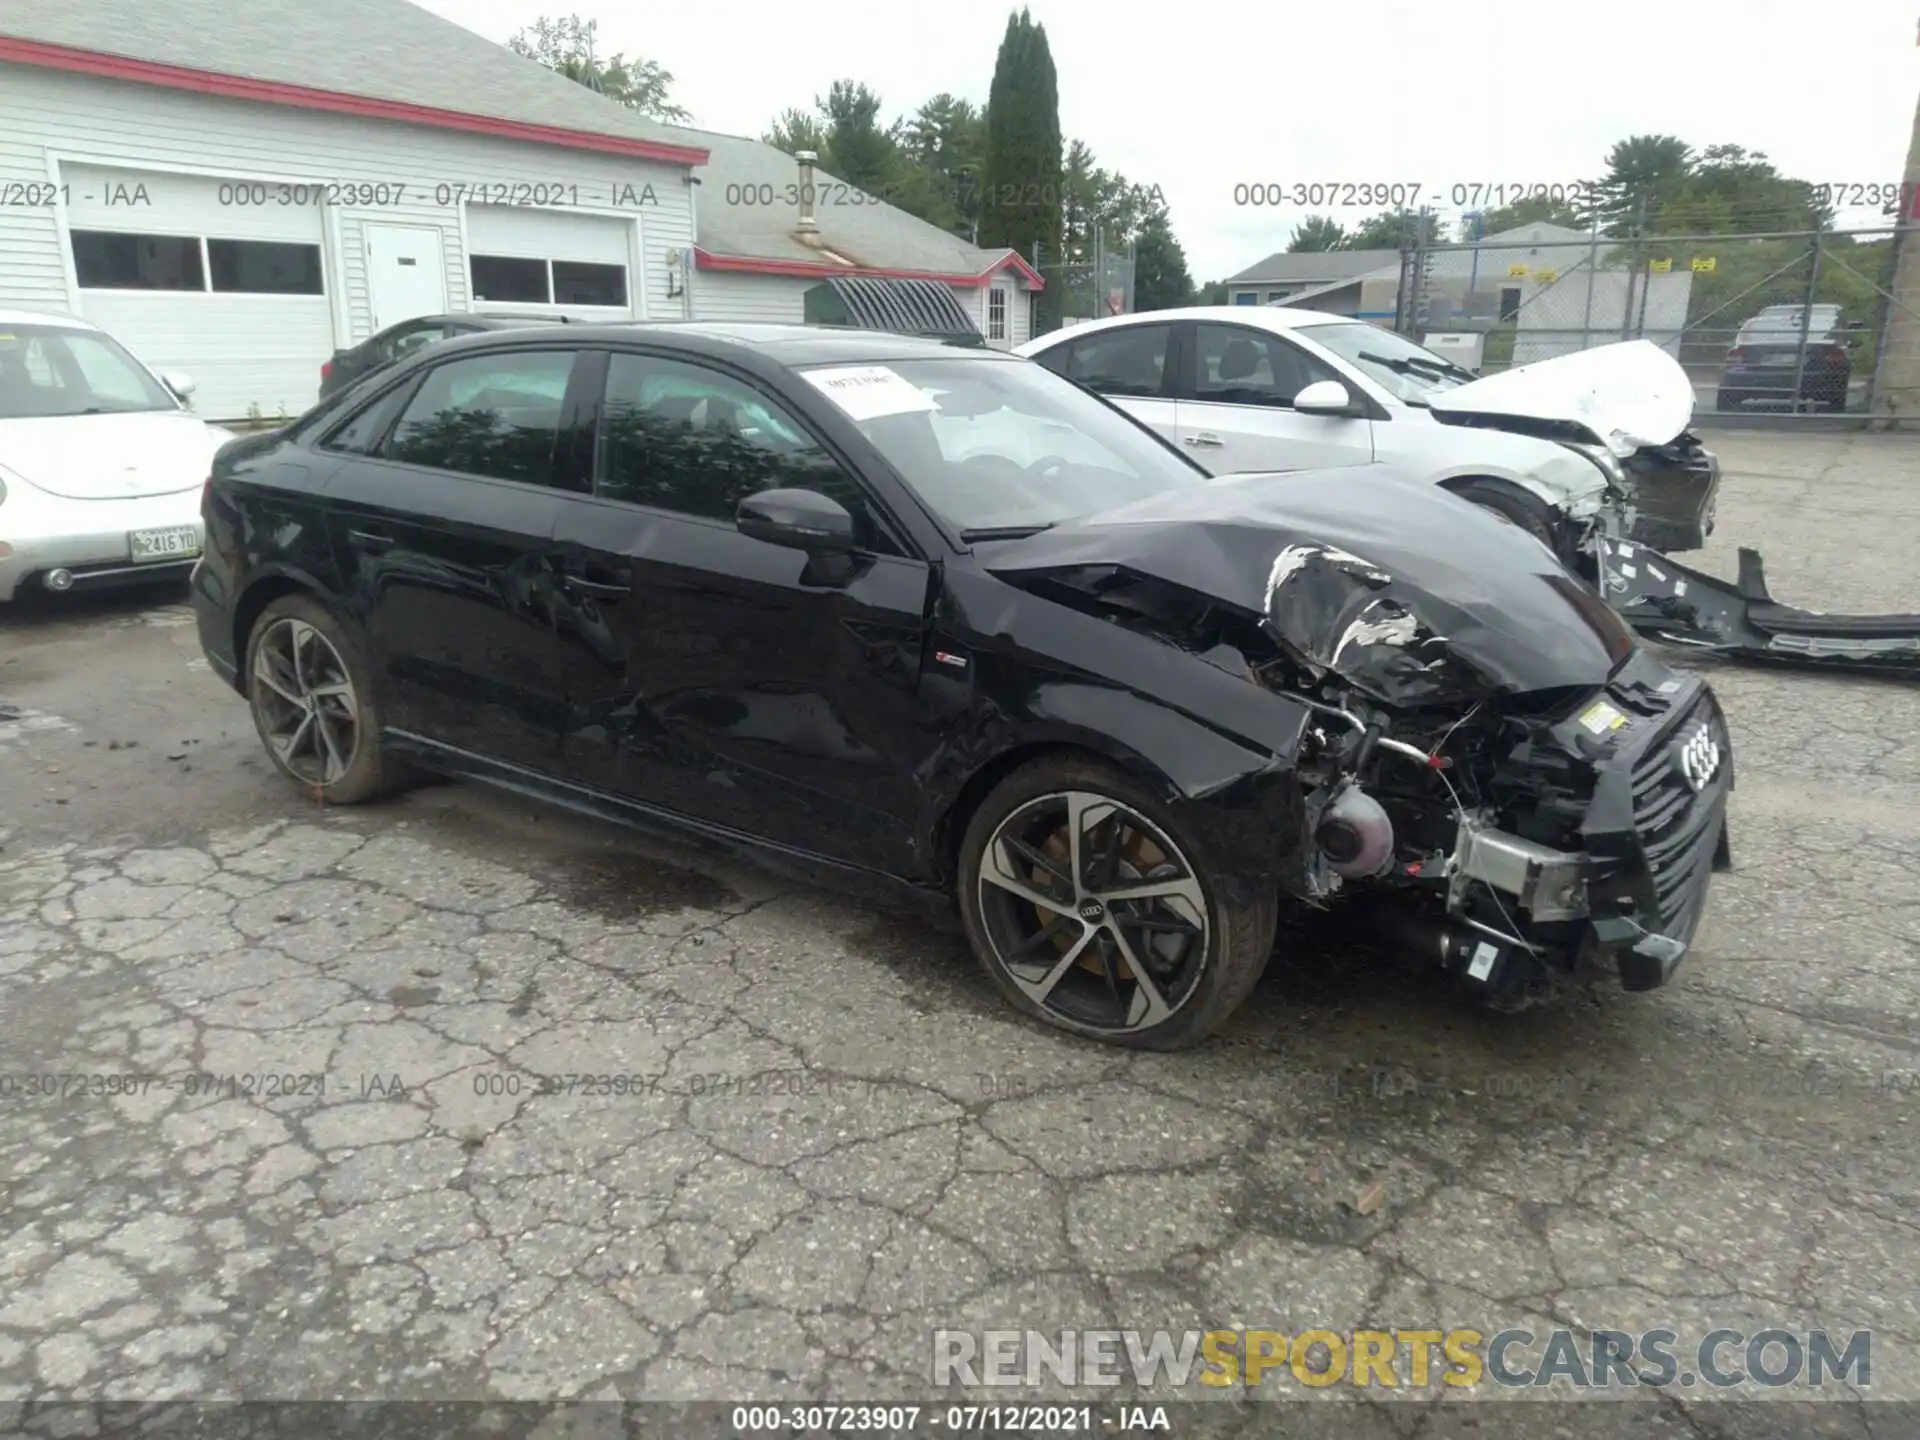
x=1274 y=297
x=577 y=283
x=108 y=260
x=511 y=279
x=264 y=267
x=520 y=281
x=1246 y=297
x=996 y=313
x=1509 y=302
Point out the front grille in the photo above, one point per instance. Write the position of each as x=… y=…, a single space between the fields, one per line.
x=1677 y=827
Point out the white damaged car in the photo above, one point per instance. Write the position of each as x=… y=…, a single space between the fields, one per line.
x=1561 y=447
x=101 y=463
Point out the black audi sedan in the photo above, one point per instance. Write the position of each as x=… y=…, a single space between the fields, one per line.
x=941 y=622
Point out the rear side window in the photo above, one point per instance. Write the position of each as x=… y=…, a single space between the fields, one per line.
x=496 y=415
x=361 y=433
x=1129 y=361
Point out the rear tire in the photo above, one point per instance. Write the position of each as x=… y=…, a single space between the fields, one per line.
x=311 y=693
x=1148 y=942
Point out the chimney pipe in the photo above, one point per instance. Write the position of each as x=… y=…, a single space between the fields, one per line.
x=807 y=226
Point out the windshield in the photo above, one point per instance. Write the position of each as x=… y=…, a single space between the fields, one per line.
x=1403 y=369
x=49 y=370
x=994 y=447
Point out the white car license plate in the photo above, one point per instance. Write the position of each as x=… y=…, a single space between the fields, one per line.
x=170 y=542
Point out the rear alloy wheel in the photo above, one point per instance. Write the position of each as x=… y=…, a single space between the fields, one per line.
x=308 y=693
x=1091 y=914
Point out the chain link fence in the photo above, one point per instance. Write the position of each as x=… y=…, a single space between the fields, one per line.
x=1089 y=287
x=1786 y=323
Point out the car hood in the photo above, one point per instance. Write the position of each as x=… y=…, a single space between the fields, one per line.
x=109 y=457
x=1624 y=396
x=1411 y=594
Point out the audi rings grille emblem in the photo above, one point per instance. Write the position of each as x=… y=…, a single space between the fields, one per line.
x=1699 y=757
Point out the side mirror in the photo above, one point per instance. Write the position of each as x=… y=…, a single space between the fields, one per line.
x=1324 y=397
x=797 y=519
x=178 y=381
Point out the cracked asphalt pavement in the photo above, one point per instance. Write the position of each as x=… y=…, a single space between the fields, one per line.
x=315 y=1136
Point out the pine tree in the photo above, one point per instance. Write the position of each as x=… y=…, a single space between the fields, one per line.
x=1021 y=203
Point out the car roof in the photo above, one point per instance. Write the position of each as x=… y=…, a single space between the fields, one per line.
x=44 y=317
x=793 y=346
x=1261 y=317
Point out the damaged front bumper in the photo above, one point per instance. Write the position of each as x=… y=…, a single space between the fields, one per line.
x=1673 y=491
x=1653 y=832
x=1670 y=603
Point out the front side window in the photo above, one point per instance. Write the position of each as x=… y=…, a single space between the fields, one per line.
x=496 y=415
x=48 y=371
x=1131 y=360
x=695 y=441
x=1234 y=365
x=112 y=260
x=991 y=446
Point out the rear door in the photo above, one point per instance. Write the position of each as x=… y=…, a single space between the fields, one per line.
x=732 y=681
x=1235 y=412
x=442 y=526
x=1132 y=365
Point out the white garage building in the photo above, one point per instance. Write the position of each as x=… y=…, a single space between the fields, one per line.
x=235 y=190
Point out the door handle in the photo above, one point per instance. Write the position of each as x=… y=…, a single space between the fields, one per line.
x=596 y=589
x=368 y=541
x=1210 y=442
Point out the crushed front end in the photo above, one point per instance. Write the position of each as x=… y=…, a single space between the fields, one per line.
x=1533 y=839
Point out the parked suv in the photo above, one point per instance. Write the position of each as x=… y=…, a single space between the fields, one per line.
x=1759 y=369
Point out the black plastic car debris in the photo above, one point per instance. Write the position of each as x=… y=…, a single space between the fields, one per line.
x=1670 y=603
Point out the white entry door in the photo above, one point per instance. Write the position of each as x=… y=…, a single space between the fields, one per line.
x=406 y=273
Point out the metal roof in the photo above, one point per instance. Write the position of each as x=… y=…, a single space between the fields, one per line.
x=904 y=307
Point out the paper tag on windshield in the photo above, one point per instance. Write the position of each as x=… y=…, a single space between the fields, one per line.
x=867 y=392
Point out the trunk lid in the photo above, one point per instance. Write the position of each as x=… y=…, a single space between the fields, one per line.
x=109 y=457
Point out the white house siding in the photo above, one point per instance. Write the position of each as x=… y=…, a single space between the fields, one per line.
x=50 y=121
x=762 y=299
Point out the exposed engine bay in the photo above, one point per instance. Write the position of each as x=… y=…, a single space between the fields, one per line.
x=1492 y=772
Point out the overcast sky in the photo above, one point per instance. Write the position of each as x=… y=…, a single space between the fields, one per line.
x=1205 y=95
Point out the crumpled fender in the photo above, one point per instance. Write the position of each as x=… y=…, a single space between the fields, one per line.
x=1668 y=602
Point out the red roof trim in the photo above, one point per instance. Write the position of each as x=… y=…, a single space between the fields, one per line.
x=820 y=269
x=273 y=92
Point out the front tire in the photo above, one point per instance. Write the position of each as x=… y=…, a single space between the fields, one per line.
x=311 y=694
x=1095 y=910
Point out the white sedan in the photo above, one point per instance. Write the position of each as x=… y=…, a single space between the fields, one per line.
x=1548 y=446
x=101 y=463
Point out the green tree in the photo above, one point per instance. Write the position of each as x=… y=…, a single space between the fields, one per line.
x=1212 y=292
x=797 y=130
x=1160 y=278
x=859 y=149
x=1023 y=168
x=567 y=45
x=1384 y=231
x=1644 y=173
x=1317 y=232
x=942 y=149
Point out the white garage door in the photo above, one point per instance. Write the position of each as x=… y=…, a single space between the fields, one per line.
x=223 y=279
x=522 y=259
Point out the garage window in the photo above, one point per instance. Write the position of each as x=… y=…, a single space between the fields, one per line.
x=113 y=260
x=577 y=283
x=509 y=278
x=264 y=267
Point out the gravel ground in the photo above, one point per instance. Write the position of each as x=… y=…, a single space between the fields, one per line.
x=844 y=1140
